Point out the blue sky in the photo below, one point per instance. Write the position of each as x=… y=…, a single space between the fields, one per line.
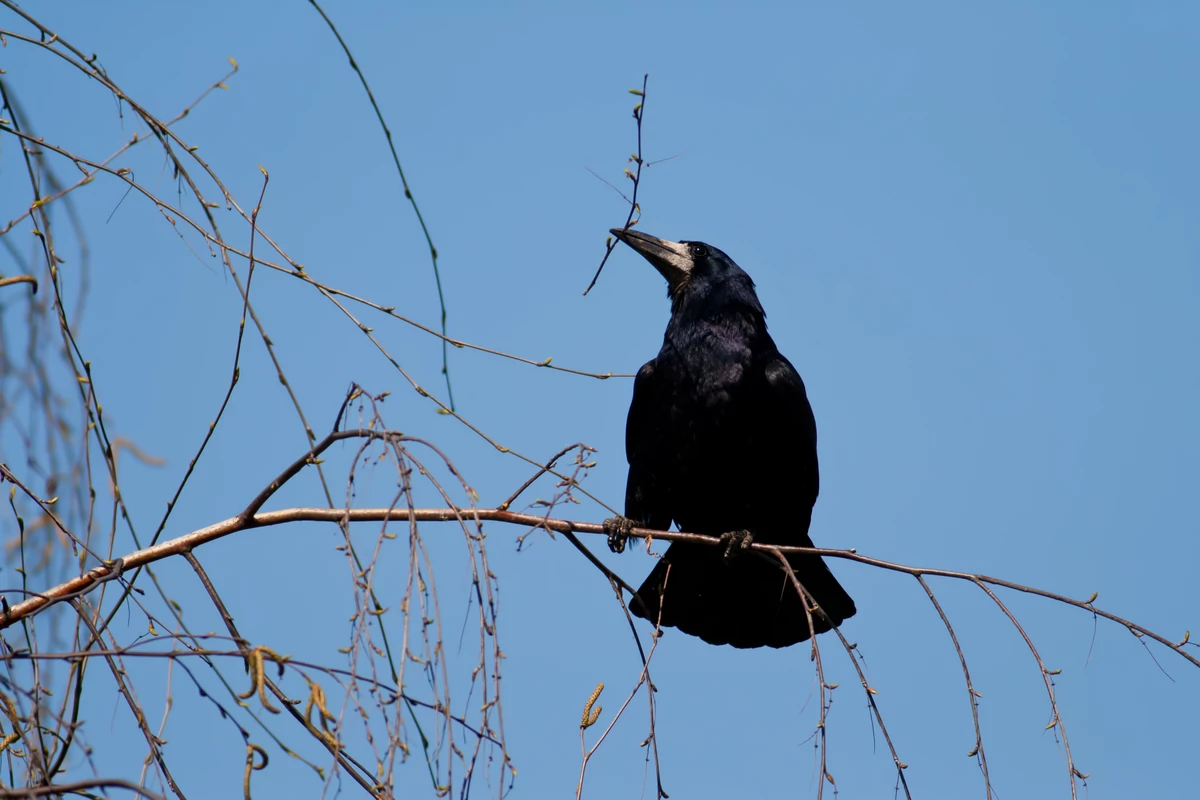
x=974 y=231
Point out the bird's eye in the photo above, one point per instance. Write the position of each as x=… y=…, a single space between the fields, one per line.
x=699 y=251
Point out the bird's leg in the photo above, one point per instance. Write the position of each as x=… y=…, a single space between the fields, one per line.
x=735 y=542
x=618 y=529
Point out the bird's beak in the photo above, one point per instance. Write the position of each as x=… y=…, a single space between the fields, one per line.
x=671 y=259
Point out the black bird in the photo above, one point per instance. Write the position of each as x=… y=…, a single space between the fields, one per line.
x=721 y=440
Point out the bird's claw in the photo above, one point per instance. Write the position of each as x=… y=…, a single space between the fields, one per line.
x=735 y=543
x=618 y=529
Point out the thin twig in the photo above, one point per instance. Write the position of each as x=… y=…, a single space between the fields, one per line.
x=1056 y=720
x=972 y=695
x=15 y=279
x=433 y=253
x=79 y=787
x=635 y=176
x=809 y=604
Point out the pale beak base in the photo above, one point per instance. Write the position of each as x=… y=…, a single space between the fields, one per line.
x=671 y=259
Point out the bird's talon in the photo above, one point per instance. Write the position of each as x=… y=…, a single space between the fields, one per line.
x=618 y=529
x=735 y=543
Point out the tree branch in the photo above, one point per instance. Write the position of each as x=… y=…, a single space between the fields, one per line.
x=84 y=583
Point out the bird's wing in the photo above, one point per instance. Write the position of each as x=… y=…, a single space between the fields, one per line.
x=797 y=431
x=645 y=497
x=643 y=398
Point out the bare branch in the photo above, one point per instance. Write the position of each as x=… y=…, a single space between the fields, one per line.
x=88 y=580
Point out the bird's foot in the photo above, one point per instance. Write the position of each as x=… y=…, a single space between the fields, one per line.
x=736 y=542
x=618 y=529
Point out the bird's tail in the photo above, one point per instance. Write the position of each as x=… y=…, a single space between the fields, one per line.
x=747 y=602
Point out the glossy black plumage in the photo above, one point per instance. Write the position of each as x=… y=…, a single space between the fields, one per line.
x=721 y=438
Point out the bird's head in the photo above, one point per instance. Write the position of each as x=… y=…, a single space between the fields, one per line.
x=696 y=273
